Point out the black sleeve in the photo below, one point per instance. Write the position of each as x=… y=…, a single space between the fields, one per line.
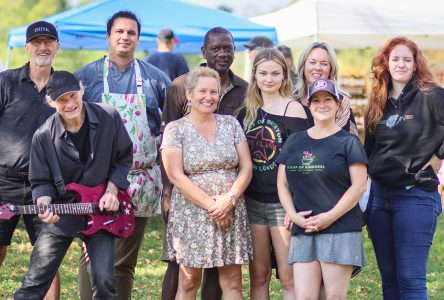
x=241 y=116
x=40 y=177
x=369 y=142
x=437 y=101
x=3 y=92
x=355 y=151
x=283 y=155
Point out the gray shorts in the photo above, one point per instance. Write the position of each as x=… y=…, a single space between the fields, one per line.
x=339 y=248
x=260 y=213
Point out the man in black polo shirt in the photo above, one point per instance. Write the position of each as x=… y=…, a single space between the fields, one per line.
x=92 y=147
x=22 y=110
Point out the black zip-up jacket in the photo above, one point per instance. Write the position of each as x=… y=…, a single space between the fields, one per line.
x=409 y=133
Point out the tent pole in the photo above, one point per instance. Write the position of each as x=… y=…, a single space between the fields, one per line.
x=8 y=56
x=247 y=66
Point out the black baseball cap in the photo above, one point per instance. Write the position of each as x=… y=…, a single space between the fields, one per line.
x=259 y=42
x=326 y=85
x=167 y=34
x=40 y=28
x=60 y=83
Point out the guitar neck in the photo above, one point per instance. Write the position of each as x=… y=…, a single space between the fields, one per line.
x=58 y=209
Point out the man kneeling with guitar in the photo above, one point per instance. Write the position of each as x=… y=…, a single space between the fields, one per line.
x=89 y=145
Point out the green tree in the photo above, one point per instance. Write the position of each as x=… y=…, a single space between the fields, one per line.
x=16 y=13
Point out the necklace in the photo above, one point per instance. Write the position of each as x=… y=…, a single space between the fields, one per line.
x=263 y=116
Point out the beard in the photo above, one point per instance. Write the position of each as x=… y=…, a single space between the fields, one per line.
x=43 y=61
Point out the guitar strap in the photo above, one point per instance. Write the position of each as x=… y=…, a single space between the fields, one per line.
x=51 y=155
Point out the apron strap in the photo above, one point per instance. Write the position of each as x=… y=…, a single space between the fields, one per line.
x=139 y=82
x=105 y=75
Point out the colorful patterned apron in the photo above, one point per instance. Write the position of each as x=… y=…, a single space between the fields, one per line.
x=144 y=177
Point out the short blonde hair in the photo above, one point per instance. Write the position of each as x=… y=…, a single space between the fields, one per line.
x=196 y=73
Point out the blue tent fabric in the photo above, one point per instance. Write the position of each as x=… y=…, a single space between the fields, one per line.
x=84 y=27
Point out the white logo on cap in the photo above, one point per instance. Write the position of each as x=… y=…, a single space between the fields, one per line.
x=320 y=84
x=41 y=29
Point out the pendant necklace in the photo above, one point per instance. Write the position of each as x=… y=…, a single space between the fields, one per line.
x=263 y=116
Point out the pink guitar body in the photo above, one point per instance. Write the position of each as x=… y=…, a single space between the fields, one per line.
x=120 y=224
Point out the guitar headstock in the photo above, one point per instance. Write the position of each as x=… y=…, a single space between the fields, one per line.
x=6 y=211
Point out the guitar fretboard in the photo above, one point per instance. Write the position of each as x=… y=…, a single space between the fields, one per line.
x=59 y=209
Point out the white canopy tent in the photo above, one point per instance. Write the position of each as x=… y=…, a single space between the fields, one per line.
x=358 y=23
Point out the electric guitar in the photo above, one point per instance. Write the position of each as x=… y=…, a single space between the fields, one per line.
x=119 y=223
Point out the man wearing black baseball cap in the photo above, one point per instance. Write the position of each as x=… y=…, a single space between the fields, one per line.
x=256 y=44
x=171 y=63
x=22 y=110
x=41 y=28
x=78 y=132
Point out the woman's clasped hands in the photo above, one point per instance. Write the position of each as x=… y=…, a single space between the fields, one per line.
x=313 y=223
x=220 y=211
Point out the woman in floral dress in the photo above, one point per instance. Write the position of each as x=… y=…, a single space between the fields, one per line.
x=206 y=158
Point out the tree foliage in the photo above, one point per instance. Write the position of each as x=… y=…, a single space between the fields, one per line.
x=16 y=13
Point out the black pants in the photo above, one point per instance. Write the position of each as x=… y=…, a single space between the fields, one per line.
x=18 y=192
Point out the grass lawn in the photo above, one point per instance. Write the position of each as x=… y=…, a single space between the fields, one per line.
x=150 y=269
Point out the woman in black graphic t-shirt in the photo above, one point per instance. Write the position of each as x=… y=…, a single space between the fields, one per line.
x=270 y=115
x=322 y=174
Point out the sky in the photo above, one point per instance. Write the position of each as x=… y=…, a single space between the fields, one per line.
x=245 y=8
x=242 y=8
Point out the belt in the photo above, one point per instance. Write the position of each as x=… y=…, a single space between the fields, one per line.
x=10 y=173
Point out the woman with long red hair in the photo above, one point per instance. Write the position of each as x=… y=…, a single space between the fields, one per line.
x=404 y=144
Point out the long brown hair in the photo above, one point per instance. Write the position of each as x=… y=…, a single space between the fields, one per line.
x=254 y=100
x=423 y=79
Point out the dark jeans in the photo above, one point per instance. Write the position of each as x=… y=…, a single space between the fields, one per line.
x=47 y=255
x=126 y=251
x=402 y=224
x=17 y=192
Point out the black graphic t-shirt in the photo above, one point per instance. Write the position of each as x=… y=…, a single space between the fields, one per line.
x=318 y=176
x=265 y=137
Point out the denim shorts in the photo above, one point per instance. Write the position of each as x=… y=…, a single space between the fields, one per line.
x=338 y=248
x=261 y=213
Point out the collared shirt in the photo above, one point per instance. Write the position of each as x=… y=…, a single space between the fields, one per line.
x=23 y=109
x=155 y=84
x=176 y=103
x=110 y=158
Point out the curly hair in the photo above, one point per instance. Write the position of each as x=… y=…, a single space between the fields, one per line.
x=253 y=99
x=423 y=79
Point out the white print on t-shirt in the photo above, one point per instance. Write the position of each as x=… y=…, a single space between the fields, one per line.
x=308 y=164
x=307 y=158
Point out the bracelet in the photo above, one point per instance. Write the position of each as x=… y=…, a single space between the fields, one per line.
x=232 y=197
